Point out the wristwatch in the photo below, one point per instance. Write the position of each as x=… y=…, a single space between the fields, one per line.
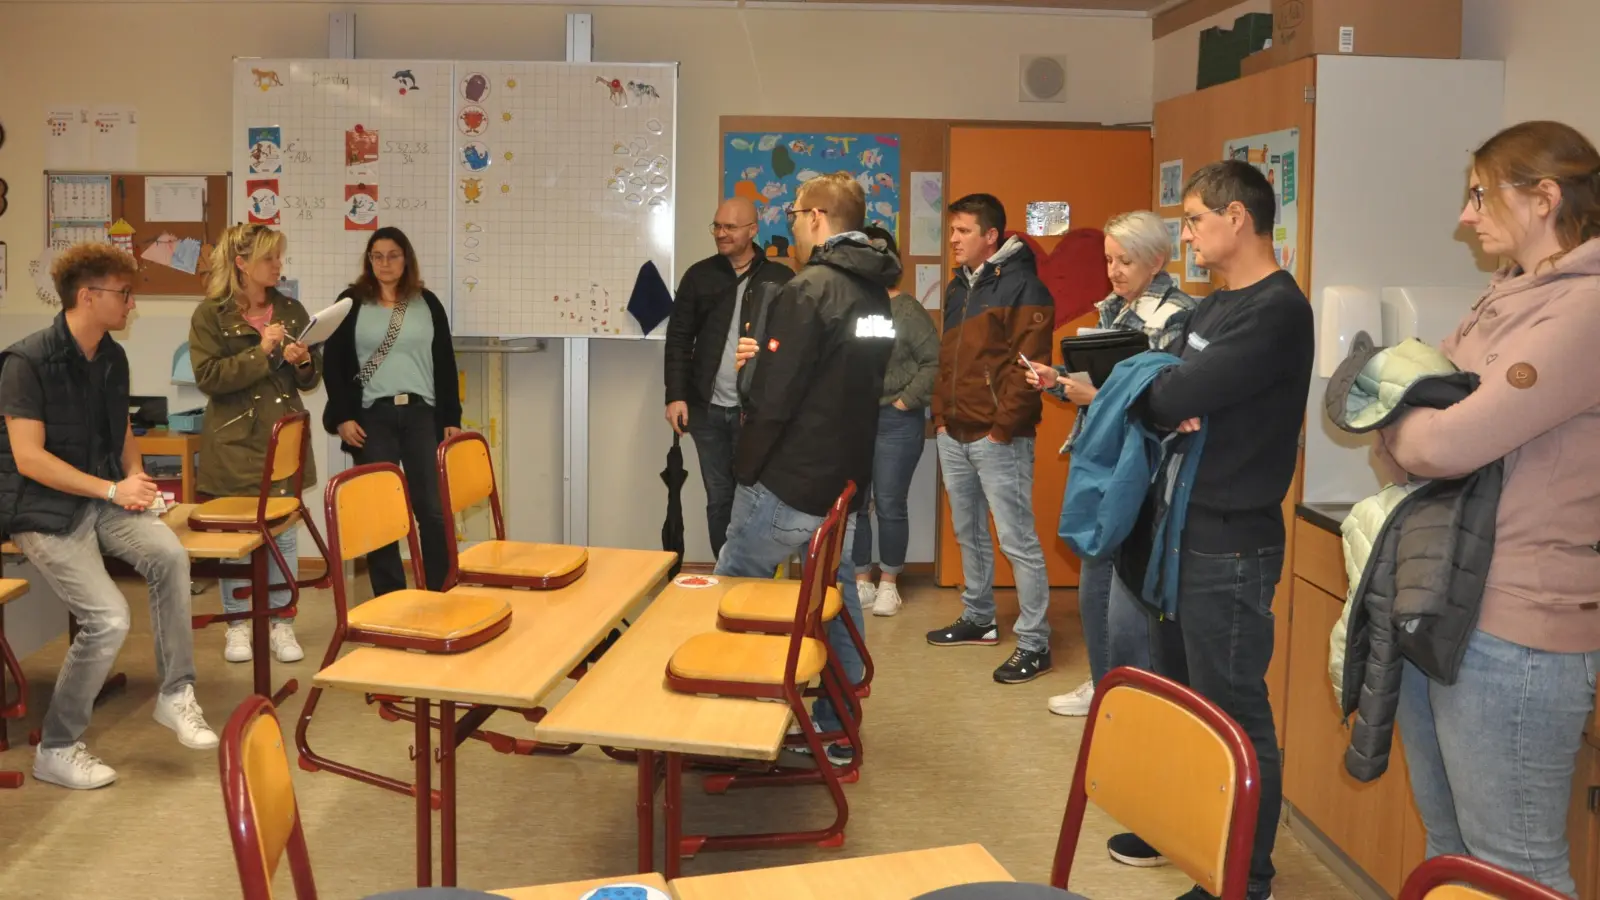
x=111 y=492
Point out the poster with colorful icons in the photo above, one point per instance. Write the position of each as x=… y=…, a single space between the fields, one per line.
x=768 y=168
x=1276 y=154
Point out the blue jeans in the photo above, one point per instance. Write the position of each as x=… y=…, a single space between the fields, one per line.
x=763 y=532
x=981 y=477
x=1492 y=755
x=901 y=436
x=288 y=543
x=1220 y=644
x=1116 y=630
x=715 y=430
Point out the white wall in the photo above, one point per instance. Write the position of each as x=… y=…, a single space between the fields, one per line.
x=171 y=60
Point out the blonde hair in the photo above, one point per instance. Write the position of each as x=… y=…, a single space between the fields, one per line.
x=1143 y=235
x=841 y=195
x=254 y=243
x=82 y=263
x=1528 y=153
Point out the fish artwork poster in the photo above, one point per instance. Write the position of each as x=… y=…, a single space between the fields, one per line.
x=768 y=168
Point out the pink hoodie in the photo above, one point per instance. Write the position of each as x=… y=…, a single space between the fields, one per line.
x=1534 y=341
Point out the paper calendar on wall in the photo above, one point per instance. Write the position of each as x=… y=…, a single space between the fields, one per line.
x=533 y=192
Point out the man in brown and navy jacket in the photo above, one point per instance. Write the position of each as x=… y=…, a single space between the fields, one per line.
x=996 y=311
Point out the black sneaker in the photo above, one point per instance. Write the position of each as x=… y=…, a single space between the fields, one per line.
x=1127 y=848
x=1023 y=666
x=841 y=753
x=1251 y=893
x=965 y=631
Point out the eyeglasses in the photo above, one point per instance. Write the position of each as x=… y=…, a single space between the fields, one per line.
x=728 y=227
x=1189 y=220
x=1476 y=192
x=395 y=257
x=126 y=293
x=792 y=214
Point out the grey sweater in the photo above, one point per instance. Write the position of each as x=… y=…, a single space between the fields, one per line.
x=915 y=361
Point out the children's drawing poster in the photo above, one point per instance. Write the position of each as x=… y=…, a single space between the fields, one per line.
x=1277 y=155
x=768 y=168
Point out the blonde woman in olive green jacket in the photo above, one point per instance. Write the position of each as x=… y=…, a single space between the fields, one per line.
x=253 y=374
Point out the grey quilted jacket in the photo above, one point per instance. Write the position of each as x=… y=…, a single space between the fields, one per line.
x=1417 y=555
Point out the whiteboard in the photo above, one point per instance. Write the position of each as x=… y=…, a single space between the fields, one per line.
x=532 y=191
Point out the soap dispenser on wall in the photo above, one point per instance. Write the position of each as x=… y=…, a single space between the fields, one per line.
x=1347 y=310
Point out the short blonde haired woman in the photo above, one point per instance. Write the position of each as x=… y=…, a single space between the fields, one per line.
x=252 y=375
x=1144 y=297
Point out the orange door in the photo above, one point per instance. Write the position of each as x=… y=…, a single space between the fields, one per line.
x=1101 y=173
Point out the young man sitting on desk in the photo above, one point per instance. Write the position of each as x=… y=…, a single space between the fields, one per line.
x=73 y=486
x=811 y=411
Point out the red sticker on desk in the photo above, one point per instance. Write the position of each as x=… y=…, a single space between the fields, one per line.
x=695 y=581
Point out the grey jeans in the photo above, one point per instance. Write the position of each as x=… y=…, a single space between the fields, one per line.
x=1492 y=755
x=984 y=477
x=71 y=564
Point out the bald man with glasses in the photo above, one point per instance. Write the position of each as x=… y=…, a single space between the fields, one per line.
x=717 y=299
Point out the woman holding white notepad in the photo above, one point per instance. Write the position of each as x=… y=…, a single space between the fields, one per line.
x=393 y=395
x=1143 y=298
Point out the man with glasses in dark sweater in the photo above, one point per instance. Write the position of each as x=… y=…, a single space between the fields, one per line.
x=1246 y=370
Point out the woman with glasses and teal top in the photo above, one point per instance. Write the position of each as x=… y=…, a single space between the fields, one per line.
x=1144 y=297
x=392 y=393
x=252 y=372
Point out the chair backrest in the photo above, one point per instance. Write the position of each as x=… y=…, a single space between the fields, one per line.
x=817 y=574
x=258 y=794
x=286 y=453
x=1173 y=768
x=466 y=475
x=1468 y=878
x=367 y=507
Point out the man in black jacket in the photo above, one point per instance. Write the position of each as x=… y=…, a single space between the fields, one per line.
x=812 y=419
x=709 y=315
x=73 y=486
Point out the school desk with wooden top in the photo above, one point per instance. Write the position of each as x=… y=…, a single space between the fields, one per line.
x=209 y=552
x=623 y=701
x=550 y=634
x=891 y=876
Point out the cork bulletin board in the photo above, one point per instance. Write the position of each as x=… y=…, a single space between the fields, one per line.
x=159 y=218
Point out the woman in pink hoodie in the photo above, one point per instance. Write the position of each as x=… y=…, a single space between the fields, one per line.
x=1492 y=755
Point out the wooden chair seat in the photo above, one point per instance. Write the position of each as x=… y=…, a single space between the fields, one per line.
x=11 y=589
x=240 y=511
x=772 y=602
x=424 y=620
x=745 y=658
x=542 y=565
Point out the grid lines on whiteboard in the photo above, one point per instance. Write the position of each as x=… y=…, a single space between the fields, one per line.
x=396 y=162
x=565 y=187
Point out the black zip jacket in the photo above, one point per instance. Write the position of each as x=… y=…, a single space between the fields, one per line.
x=340 y=367
x=811 y=414
x=701 y=314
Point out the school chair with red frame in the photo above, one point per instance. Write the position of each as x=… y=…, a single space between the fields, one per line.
x=466 y=478
x=1469 y=878
x=367 y=508
x=1173 y=768
x=780 y=667
x=258 y=795
x=10 y=589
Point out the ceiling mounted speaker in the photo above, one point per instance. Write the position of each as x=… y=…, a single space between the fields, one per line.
x=1042 y=79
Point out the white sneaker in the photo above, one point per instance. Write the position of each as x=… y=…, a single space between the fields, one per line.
x=72 y=767
x=181 y=712
x=866 y=592
x=1074 y=704
x=888 y=601
x=236 y=649
x=284 y=645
